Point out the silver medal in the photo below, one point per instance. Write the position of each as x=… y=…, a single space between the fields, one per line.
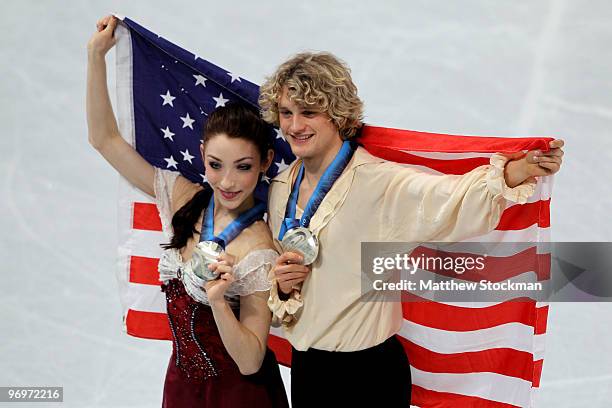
x=204 y=254
x=301 y=240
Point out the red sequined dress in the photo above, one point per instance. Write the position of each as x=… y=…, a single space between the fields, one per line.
x=201 y=373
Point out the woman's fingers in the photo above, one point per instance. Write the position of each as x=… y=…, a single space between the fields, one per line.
x=103 y=22
x=220 y=268
x=227 y=276
x=226 y=259
x=103 y=39
x=108 y=24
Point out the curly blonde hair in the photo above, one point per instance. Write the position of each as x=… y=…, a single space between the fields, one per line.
x=316 y=80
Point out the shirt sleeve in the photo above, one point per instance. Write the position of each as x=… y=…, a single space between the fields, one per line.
x=284 y=312
x=423 y=207
x=163 y=186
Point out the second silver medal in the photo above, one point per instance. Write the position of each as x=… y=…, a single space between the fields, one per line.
x=303 y=241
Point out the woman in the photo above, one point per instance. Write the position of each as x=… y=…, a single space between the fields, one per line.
x=215 y=269
x=344 y=343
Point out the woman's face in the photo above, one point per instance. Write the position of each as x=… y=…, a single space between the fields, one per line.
x=233 y=167
x=309 y=133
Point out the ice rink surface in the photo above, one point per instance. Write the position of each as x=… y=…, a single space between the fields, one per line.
x=474 y=67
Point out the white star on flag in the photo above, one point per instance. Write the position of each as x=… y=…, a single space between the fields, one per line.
x=200 y=80
x=234 y=77
x=220 y=100
x=171 y=162
x=187 y=121
x=168 y=99
x=204 y=178
x=167 y=133
x=187 y=156
x=266 y=179
x=281 y=165
x=279 y=134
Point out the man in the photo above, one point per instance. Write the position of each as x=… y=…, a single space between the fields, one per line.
x=344 y=347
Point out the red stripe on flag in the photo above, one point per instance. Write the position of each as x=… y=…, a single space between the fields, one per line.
x=146 y=217
x=504 y=361
x=401 y=139
x=281 y=348
x=455 y=318
x=495 y=268
x=541 y=319
x=144 y=270
x=446 y=166
x=148 y=325
x=537 y=372
x=423 y=397
x=519 y=216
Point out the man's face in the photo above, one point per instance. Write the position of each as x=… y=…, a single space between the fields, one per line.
x=310 y=133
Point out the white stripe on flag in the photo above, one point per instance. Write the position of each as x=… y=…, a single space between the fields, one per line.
x=539 y=346
x=145 y=298
x=146 y=243
x=516 y=336
x=277 y=331
x=491 y=386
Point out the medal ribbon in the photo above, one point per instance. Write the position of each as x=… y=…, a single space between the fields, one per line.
x=333 y=171
x=230 y=232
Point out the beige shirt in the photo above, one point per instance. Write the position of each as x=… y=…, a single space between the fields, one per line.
x=376 y=200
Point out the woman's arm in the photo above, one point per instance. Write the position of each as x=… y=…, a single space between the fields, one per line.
x=104 y=133
x=245 y=340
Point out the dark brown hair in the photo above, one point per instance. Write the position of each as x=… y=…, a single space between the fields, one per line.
x=236 y=120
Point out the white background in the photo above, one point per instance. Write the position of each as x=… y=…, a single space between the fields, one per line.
x=477 y=67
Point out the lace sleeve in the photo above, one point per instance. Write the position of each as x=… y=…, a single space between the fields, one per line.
x=251 y=273
x=163 y=186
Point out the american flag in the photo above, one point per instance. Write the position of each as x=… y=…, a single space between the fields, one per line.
x=462 y=354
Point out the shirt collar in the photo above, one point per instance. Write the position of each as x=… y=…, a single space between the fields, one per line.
x=361 y=157
x=334 y=198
